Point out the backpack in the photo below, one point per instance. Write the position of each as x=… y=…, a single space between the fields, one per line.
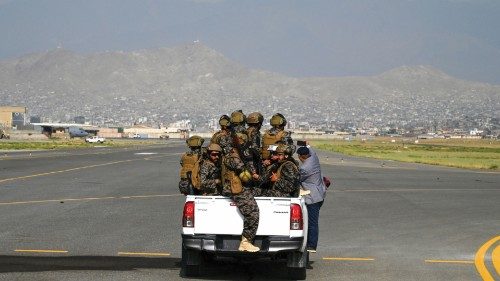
x=190 y=169
x=195 y=174
x=188 y=160
x=269 y=139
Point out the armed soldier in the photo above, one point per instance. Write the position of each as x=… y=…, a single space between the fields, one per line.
x=237 y=185
x=223 y=137
x=275 y=134
x=254 y=121
x=210 y=171
x=238 y=124
x=187 y=162
x=286 y=179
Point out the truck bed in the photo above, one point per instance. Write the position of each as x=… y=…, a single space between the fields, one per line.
x=220 y=215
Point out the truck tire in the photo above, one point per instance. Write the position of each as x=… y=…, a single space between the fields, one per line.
x=191 y=263
x=190 y=270
x=297 y=273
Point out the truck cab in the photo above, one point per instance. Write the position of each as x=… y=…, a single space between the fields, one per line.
x=212 y=226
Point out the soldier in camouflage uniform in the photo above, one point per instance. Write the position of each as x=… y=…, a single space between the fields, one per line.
x=188 y=159
x=238 y=124
x=268 y=168
x=210 y=172
x=254 y=121
x=223 y=137
x=286 y=179
x=236 y=184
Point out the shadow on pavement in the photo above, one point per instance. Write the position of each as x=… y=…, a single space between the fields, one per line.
x=44 y=263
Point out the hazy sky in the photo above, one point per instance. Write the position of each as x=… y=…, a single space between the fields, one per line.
x=294 y=37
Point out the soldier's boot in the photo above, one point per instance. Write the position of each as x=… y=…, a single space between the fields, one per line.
x=245 y=245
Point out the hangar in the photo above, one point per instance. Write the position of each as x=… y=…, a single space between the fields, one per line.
x=64 y=129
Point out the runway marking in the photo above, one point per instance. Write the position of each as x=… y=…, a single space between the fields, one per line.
x=347 y=259
x=495 y=257
x=143 y=254
x=479 y=260
x=41 y=251
x=79 y=168
x=67 y=170
x=87 y=199
x=450 y=261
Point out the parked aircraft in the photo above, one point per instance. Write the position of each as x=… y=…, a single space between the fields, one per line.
x=75 y=132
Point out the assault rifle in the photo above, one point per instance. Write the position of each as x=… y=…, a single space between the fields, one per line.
x=239 y=149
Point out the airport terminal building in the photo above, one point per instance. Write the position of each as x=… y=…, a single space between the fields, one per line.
x=12 y=116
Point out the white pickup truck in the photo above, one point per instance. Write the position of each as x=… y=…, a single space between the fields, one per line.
x=95 y=139
x=212 y=227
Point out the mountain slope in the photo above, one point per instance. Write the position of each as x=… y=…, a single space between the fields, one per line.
x=194 y=81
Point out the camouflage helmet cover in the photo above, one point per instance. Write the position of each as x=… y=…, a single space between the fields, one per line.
x=284 y=148
x=237 y=117
x=278 y=120
x=224 y=120
x=214 y=147
x=255 y=118
x=242 y=137
x=195 y=141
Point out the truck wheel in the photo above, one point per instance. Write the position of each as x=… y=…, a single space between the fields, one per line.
x=297 y=273
x=191 y=263
x=190 y=270
x=297 y=264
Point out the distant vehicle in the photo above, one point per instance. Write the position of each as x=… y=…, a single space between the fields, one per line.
x=75 y=132
x=95 y=139
x=140 y=136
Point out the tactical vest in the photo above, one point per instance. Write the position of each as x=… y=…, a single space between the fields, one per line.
x=231 y=179
x=188 y=161
x=269 y=139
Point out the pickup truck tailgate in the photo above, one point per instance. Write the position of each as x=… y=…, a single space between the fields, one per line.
x=219 y=215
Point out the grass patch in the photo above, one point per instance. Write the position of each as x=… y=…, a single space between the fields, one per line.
x=470 y=154
x=70 y=143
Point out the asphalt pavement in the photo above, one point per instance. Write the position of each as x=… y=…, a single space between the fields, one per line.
x=114 y=214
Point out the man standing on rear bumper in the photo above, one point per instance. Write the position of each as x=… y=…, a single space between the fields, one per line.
x=312 y=180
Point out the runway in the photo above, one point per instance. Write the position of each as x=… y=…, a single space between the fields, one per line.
x=114 y=214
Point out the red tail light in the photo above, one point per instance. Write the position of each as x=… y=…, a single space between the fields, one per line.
x=188 y=214
x=296 y=222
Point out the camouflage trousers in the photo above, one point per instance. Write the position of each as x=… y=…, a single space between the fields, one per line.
x=248 y=208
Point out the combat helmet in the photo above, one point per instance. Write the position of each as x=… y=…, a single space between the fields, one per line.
x=278 y=120
x=242 y=138
x=237 y=117
x=255 y=118
x=224 y=120
x=284 y=148
x=195 y=141
x=214 y=147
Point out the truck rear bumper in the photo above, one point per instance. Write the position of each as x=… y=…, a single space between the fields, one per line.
x=230 y=243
